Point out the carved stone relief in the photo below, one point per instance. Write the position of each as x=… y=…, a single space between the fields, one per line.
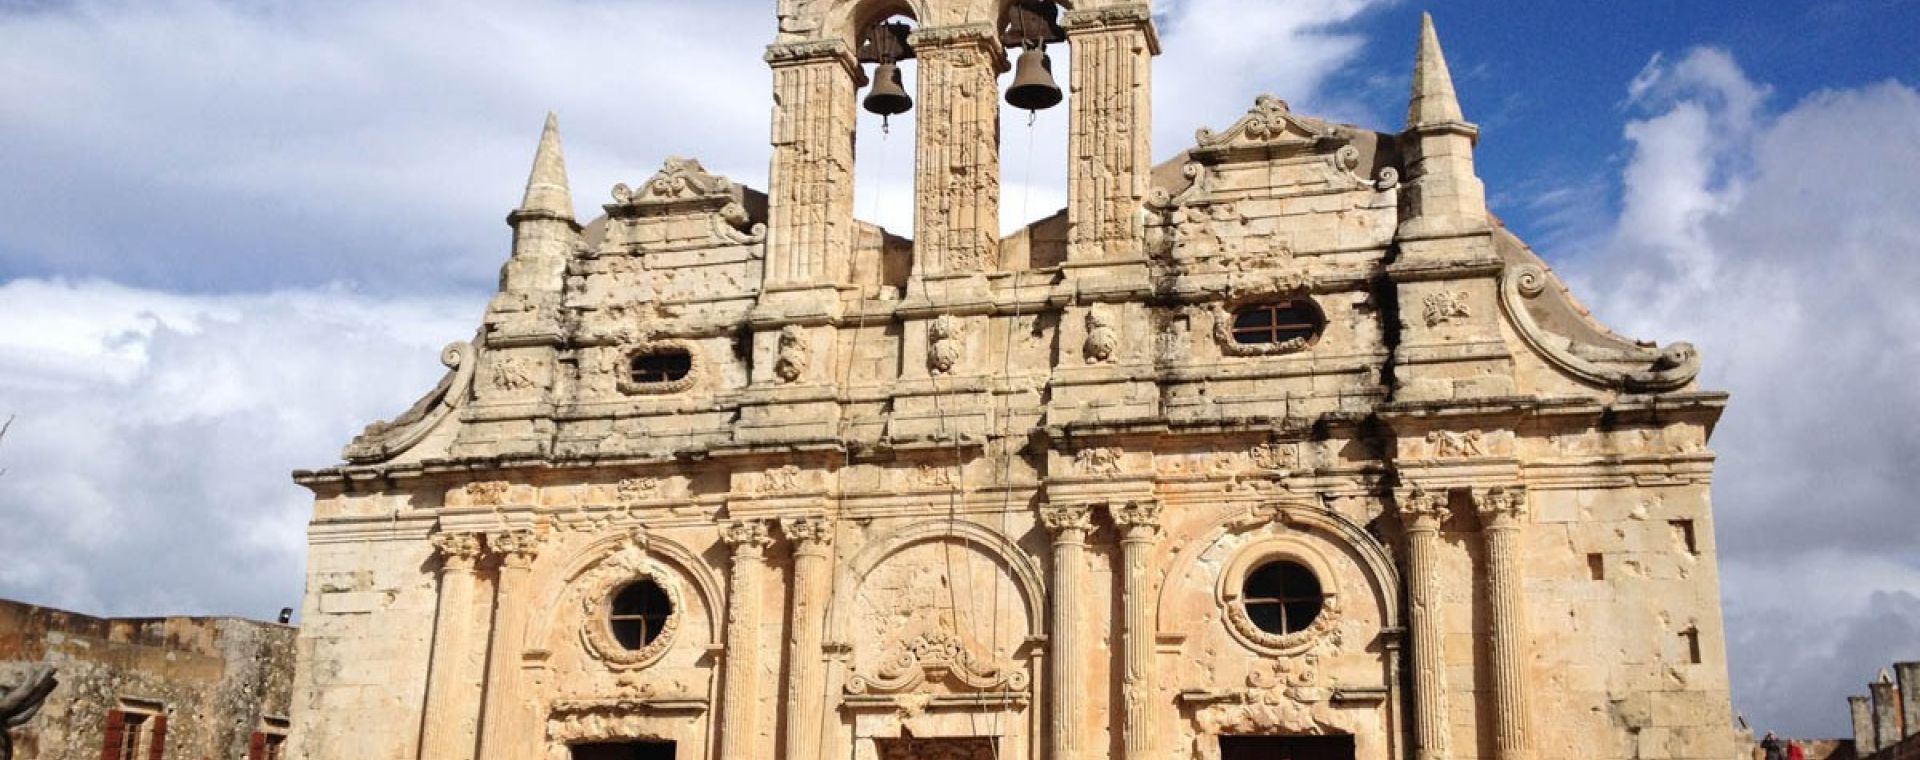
x=1444 y=306
x=944 y=347
x=596 y=588
x=794 y=354
x=1103 y=338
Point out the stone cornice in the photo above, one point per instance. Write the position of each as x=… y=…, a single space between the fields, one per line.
x=1131 y=17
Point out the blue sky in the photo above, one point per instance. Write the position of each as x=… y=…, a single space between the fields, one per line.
x=232 y=232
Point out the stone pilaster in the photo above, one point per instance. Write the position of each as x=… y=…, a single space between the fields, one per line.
x=1066 y=680
x=810 y=203
x=806 y=670
x=957 y=185
x=740 y=698
x=503 y=726
x=1421 y=514
x=1139 y=524
x=1110 y=137
x=452 y=703
x=1503 y=513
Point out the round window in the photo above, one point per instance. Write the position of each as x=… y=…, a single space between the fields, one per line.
x=1282 y=597
x=640 y=613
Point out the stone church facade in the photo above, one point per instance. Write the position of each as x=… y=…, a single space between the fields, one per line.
x=1281 y=448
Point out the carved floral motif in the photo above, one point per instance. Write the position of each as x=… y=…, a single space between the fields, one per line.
x=943 y=344
x=632 y=491
x=747 y=537
x=1442 y=307
x=933 y=658
x=626 y=565
x=1102 y=337
x=490 y=493
x=457 y=549
x=808 y=533
x=1323 y=631
x=516 y=548
x=1503 y=505
x=1062 y=518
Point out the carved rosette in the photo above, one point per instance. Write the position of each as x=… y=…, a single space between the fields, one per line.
x=515 y=548
x=1068 y=522
x=457 y=551
x=1139 y=520
x=810 y=535
x=749 y=538
x=629 y=564
x=1502 y=507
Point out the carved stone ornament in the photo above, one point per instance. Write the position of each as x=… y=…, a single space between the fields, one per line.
x=794 y=354
x=944 y=348
x=519 y=373
x=1103 y=338
x=1618 y=364
x=1139 y=518
x=627 y=565
x=1502 y=506
x=516 y=548
x=633 y=491
x=490 y=493
x=1100 y=460
x=1288 y=698
x=383 y=440
x=625 y=717
x=1456 y=444
x=1422 y=508
x=1278 y=458
x=747 y=537
x=784 y=479
x=1063 y=518
x=1272 y=128
x=457 y=550
x=1442 y=307
x=937 y=658
x=623 y=370
x=808 y=533
x=1324 y=631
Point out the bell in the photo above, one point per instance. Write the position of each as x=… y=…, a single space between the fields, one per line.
x=887 y=97
x=1033 y=86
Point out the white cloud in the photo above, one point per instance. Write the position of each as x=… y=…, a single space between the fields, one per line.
x=147 y=466
x=1782 y=243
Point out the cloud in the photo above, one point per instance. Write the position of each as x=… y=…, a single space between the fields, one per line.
x=146 y=470
x=1782 y=243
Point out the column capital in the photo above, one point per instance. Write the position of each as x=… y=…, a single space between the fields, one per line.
x=1127 y=17
x=1502 y=506
x=978 y=36
x=813 y=53
x=1421 y=509
x=1069 y=523
x=810 y=535
x=515 y=548
x=458 y=551
x=1138 y=519
x=748 y=538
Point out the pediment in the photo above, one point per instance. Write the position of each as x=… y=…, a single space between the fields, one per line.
x=682 y=184
x=1269 y=130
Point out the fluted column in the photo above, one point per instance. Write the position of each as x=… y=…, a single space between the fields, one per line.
x=1139 y=524
x=1065 y=653
x=502 y=727
x=957 y=186
x=1422 y=513
x=741 y=696
x=1503 y=513
x=810 y=200
x=1110 y=138
x=451 y=704
x=812 y=549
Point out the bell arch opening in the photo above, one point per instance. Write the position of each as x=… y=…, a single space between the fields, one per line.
x=1035 y=120
x=886 y=131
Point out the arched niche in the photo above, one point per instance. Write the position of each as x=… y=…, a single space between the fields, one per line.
x=1324 y=533
x=956 y=549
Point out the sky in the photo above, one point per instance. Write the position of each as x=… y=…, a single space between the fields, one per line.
x=234 y=232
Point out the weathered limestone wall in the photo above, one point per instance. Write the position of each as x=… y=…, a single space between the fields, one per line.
x=219 y=680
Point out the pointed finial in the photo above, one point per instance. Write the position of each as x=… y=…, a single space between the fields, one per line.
x=547 y=191
x=1434 y=100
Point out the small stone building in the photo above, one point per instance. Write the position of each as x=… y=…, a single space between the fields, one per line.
x=174 y=688
x=1282 y=447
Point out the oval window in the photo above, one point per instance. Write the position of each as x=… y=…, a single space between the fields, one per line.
x=665 y=366
x=640 y=613
x=1282 y=597
x=1276 y=322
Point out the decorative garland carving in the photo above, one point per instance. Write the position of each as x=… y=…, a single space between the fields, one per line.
x=939 y=657
x=629 y=564
x=1324 y=630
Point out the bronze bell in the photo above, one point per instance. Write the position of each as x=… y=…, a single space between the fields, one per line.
x=1033 y=86
x=887 y=97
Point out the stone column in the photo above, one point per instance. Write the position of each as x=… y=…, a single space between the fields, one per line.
x=1066 y=680
x=957 y=184
x=810 y=200
x=812 y=582
x=1886 y=712
x=1139 y=524
x=502 y=728
x=1503 y=512
x=741 y=688
x=1110 y=137
x=451 y=705
x=1421 y=514
x=1862 y=712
